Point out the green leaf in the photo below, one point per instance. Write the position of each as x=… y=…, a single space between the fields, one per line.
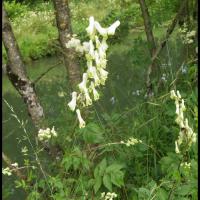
x=107 y=182
x=67 y=162
x=114 y=167
x=76 y=162
x=97 y=184
x=117 y=178
x=184 y=190
x=102 y=167
x=161 y=194
x=93 y=133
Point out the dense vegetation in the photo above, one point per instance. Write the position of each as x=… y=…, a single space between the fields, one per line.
x=128 y=144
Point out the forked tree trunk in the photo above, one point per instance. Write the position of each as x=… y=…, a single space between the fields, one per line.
x=62 y=13
x=17 y=75
x=148 y=27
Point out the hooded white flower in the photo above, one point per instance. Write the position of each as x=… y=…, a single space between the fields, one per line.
x=86 y=46
x=91 y=28
x=98 y=43
x=81 y=121
x=104 y=45
x=102 y=31
x=182 y=106
x=82 y=85
x=97 y=59
x=101 y=52
x=178 y=94
x=94 y=91
x=73 y=43
x=103 y=75
x=72 y=103
x=176 y=147
x=91 y=49
x=89 y=64
x=53 y=132
x=88 y=100
x=112 y=28
x=103 y=63
x=92 y=73
x=173 y=94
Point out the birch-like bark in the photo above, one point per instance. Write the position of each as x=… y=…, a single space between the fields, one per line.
x=17 y=75
x=62 y=13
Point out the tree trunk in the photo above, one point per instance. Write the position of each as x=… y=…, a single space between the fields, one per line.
x=148 y=27
x=163 y=43
x=17 y=75
x=64 y=28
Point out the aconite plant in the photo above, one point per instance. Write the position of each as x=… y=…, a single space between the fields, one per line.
x=94 y=51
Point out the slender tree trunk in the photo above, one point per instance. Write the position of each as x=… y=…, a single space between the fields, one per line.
x=163 y=43
x=17 y=75
x=62 y=13
x=148 y=27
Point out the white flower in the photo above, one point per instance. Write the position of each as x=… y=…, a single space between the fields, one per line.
x=73 y=43
x=91 y=28
x=112 y=99
x=86 y=46
x=182 y=106
x=72 y=103
x=81 y=121
x=98 y=43
x=6 y=171
x=173 y=94
x=89 y=64
x=82 y=85
x=91 y=49
x=176 y=147
x=112 y=28
x=92 y=73
x=61 y=94
x=102 y=31
x=24 y=150
x=14 y=164
x=53 y=132
x=103 y=75
x=44 y=134
x=87 y=97
x=101 y=52
x=104 y=45
x=94 y=91
x=97 y=59
x=178 y=94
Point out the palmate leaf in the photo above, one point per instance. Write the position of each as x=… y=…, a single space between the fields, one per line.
x=97 y=183
x=107 y=182
x=117 y=178
x=114 y=167
x=92 y=133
